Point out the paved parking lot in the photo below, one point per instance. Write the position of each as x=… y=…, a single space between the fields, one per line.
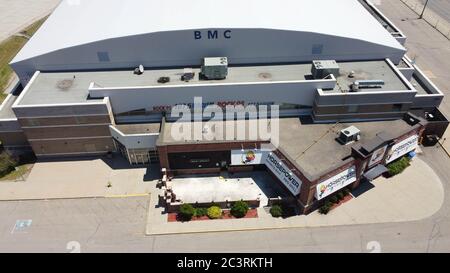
x=15 y=15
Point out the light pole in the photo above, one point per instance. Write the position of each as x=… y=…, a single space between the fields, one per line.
x=423 y=11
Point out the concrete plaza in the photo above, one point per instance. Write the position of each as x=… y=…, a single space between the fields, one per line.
x=82 y=178
x=240 y=186
x=415 y=194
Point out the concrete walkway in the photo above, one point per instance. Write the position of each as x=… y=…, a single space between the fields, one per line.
x=15 y=15
x=80 y=178
x=413 y=195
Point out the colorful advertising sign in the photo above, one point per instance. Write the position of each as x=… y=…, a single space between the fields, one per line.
x=377 y=156
x=246 y=157
x=403 y=147
x=336 y=183
x=284 y=174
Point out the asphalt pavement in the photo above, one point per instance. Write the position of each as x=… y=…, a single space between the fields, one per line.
x=118 y=224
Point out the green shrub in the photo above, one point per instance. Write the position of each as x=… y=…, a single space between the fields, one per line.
x=214 y=212
x=7 y=164
x=276 y=211
x=398 y=166
x=334 y=199
x=186 y=212
x=340 y=195
x=239 y=209
x=346 y=192
x=325 y=208
x=199 y=212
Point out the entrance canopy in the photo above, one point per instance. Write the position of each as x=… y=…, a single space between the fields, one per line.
x=375 y=172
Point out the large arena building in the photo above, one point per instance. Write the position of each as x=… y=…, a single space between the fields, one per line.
x=102 y=76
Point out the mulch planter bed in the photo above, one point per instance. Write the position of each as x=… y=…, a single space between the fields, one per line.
x=252 y=213
x=346 y=198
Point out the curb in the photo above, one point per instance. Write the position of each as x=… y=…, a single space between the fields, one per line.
x=75 y=198
x=126 y=195
x=445 y=149
x=51 y=199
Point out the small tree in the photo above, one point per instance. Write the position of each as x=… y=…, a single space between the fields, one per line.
x=7 y=163
x=186 y=212
x=334 y=199
x=398 y=166
x=239 y=209
x=214 y=212
x=325 y=208
x=276 y=211
x=199 y=212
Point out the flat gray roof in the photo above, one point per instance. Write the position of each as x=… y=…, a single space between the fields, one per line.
x=72 y=87
x=370 y=70
x=215 y=129
x=57 y=88
x=314 y=148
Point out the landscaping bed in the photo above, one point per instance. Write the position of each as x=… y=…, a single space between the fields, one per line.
x=226 y=214
x=188 y=212
x=335 y=201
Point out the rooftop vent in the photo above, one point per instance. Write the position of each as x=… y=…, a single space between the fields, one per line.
x=188 y=74
x=349 y=135
x=65 y=84
x=139 y=70
x=163 y=79
x=323 y=68
x=366 y=84
x=215 y=68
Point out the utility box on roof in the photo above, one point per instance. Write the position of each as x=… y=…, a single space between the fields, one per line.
x=215 y=68
x=321 y=69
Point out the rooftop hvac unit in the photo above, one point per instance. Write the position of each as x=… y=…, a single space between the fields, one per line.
x=321 y=69
x=139 y=70
x=349 y=135
x=215 y=68
x=188 y=74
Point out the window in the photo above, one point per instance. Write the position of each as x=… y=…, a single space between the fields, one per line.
x=90 y=148
x=353 y=108
x=33 y=122
x=103 y=56
x=397 y=107
x=317 y=49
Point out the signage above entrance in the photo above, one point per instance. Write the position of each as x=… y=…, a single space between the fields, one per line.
x=272 y=162
x=335 y=183
x=247 y=157
x=402 y=148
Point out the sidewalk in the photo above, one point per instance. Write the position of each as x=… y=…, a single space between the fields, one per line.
x=17 y=14
x=413 y=195
x=437 y=21
x=81 y=178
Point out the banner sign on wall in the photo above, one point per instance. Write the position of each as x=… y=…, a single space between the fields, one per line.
x=247 y=157
x=403 y=147
x=284 y=174
x=336 y=183
x=377 y=156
